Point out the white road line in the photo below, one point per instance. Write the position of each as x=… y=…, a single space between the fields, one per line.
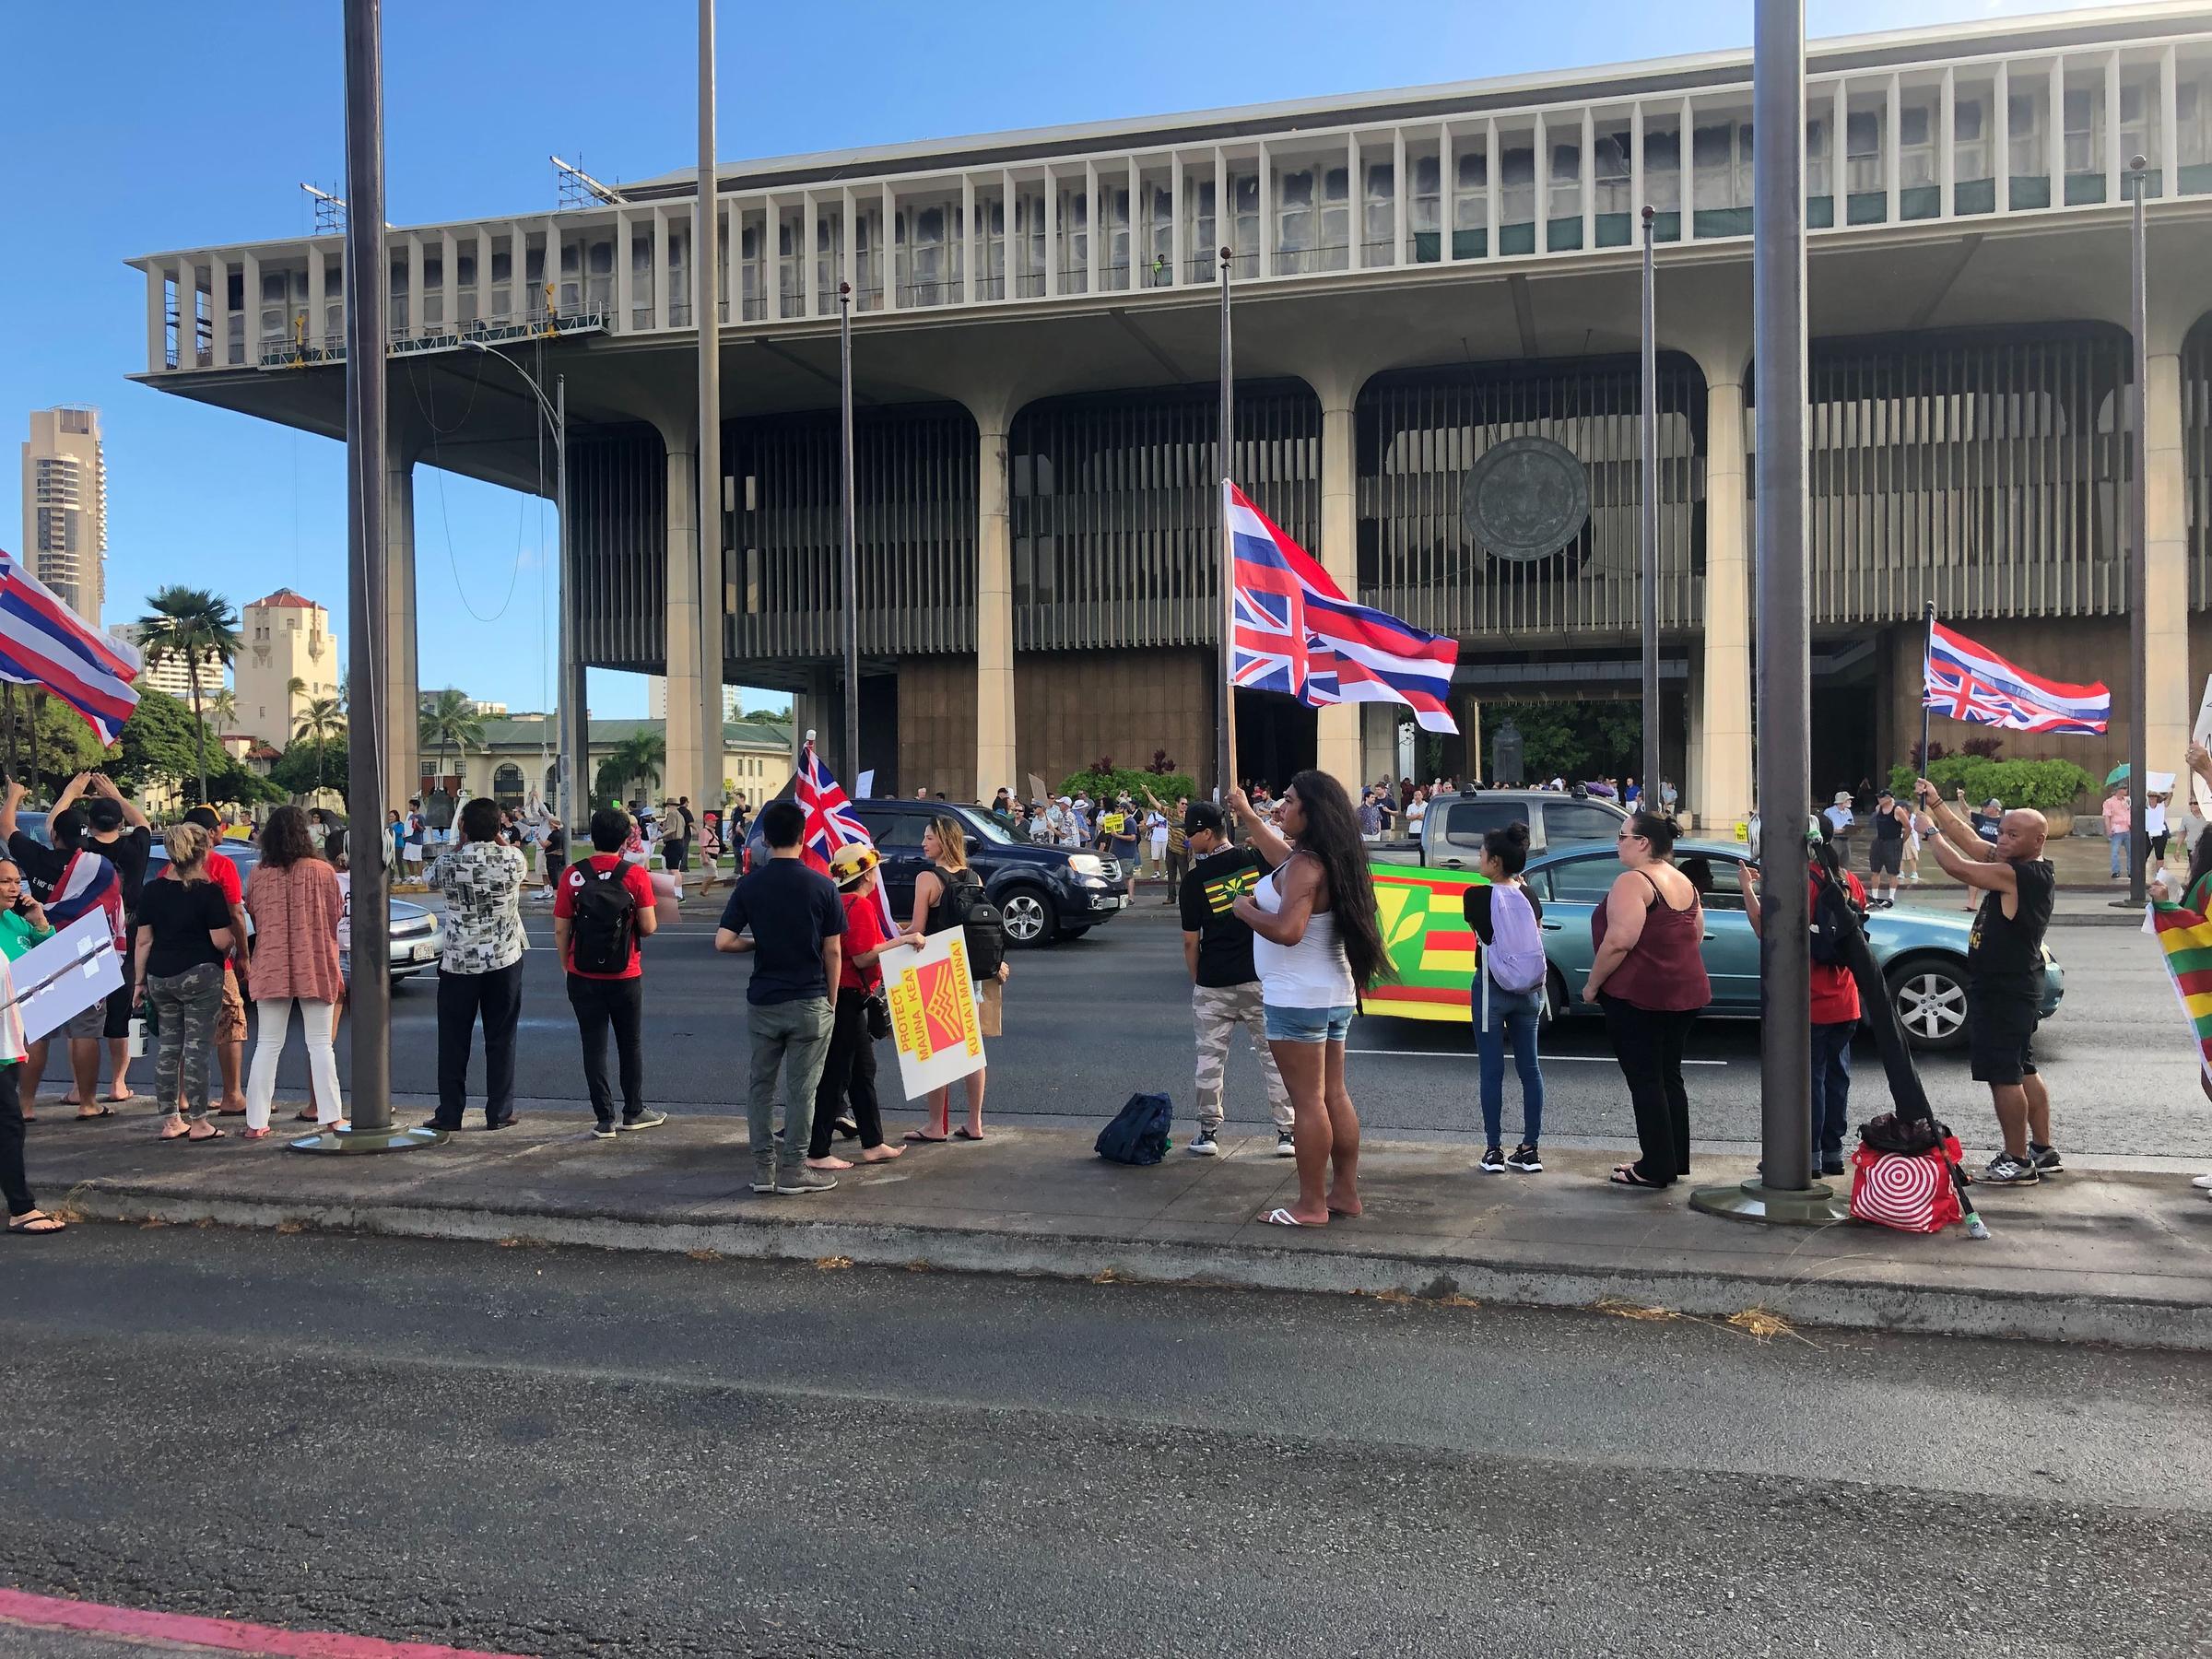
x=1469 y=1054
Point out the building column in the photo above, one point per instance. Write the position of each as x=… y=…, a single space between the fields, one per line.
x=402 y=667
x=993 y=615
x=1725 y=738
x=1337 y=745
x=2172 y=696
x=689 y=756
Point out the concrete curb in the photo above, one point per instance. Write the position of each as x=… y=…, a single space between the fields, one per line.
x=2136 y=1322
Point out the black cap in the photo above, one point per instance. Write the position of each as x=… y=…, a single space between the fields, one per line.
x=1201 y=815
x=104 y=815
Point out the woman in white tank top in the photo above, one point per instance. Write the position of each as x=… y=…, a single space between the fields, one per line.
x=1315 y=943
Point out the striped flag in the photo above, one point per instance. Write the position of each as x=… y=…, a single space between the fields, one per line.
x=831 y=823
x=1966 y=681
x=44 y=643
x=2184 y=934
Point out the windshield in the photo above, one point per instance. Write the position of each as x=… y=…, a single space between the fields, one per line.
x=977 y=823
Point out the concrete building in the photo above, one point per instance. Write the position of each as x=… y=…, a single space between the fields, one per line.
x=516 y=758
x=657 y=698
x=1422 y=275
x=65 y=506
x=282 y=639
x=172 y=675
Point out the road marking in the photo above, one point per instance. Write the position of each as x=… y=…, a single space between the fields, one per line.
x=1470 y=1055
x=224 y=1635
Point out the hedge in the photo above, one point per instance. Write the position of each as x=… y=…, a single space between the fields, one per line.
x=2047 y=785
x=1106 y=785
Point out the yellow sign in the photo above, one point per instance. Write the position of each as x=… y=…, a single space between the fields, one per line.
x=933 y=1019
x=1112 y=822
x=1743 y=831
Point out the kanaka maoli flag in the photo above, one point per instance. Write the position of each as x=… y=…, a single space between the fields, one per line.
x=1296 y=633
x=44 y=643
x=1972 y=682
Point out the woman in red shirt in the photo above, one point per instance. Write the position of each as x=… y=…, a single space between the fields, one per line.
x=849 y=1069
x=1835 y=1007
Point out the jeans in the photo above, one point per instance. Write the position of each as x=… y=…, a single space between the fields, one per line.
x=1831 y=1088
x=497 y=996
x=1648 y=1043
x=1509 y=1019
x=1217 y=1011
x=620 y=1004
x=848 y=1073
x=792 y=1038
x=186 y=1006
x=1307 y=1024
x=14 y=1186
x=2119 y=853
x=318 y=1022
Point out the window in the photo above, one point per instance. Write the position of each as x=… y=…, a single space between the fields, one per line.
x=2084 y=125
x=1568 y=821
x=1471 y=191
x=1863 y=153
x=895 y=828
x=1518 y=205
x=1380 y=205
x=1566 y=182
x=1579 y=880
x=1467 y=822
x=1424 y=209
x=1915 y=147
x=2024 y=136
x=1610 y=170
x=1969 y=141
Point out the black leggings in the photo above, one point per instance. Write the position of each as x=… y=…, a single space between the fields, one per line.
x=1648 y=1043
x=13 y=1187
x=848 y=1071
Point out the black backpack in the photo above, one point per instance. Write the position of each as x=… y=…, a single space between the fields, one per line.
x=1835 y=917
x=603 y=924
x=1138 y=1134
x=966 y=906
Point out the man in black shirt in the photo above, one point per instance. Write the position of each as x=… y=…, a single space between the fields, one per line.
x=1217 y=948
x=1884 y=850
x=2005 y=959
x=797 y=926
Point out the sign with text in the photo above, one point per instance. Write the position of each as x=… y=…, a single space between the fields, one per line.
x=935 y=1022
x=66 y=975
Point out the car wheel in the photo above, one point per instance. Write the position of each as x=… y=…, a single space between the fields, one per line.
x=1028 y=917
x=1929 y=995
x=1554 y=999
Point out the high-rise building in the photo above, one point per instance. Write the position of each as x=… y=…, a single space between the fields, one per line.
x=172 y=674
x=657 y=698
x=282 y=639
x=65 y=506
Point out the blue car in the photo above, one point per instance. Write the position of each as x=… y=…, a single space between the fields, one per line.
x=1922 y=951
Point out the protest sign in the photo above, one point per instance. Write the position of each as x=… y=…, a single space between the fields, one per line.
x=935 y=1023
x=66 y=974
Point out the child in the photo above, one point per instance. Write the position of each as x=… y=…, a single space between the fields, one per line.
x=1507 y=1003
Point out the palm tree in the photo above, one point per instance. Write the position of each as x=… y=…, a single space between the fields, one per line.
x=638 y=758
x=452 y=723
x=321 y=722
x=199 y=626
x=222 y=710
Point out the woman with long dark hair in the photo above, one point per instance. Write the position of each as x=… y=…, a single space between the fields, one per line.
x=296 y=904
x=1649 y=976
x=1316 y=943
x=943 y=891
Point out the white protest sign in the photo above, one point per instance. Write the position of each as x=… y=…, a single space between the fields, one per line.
x=66 y=974
x=865 y=787
x=2199 y=789
x=935 y=1022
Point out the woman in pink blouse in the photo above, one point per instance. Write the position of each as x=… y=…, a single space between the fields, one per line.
x=295 y=904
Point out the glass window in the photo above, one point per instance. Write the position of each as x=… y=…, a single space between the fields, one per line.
x=2024 y=135
x=1568 y=821
x=895 y=828
x=1466 y=822
x=1518 y=204
x=1471 y=191
x=1381 y=203
x=1580 y=880
x=1863 y=153
x=1662 y=169
x=1566 y=182
x=1610 y=170
x=2084 y=125
x=1916 y=148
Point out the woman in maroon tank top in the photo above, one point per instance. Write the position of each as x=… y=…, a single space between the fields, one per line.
x=1649 y=977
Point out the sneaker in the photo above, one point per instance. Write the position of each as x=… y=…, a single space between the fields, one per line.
x=764 y=1180
x=2203 y=1183
x=603 y=1132
x=1527 y=1159
x=1204 y=1144
x=2045 y=1160
x=1286 y=1144
x=2007 y=1170
x=1493 y=1160
x=1831 y=1164
x=803 y=1179
x=645 y=1119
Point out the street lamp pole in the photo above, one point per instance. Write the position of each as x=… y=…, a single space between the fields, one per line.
x=851 y=757
x=2138 y=572
x=1647 y=521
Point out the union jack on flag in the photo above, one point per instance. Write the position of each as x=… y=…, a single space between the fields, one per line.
x=1269 y=650
x=1970 y=682
x=831 y=823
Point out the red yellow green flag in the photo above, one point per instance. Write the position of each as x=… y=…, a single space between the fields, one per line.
x=2184 y=934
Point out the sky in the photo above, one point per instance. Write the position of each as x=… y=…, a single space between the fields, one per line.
x=137 y=132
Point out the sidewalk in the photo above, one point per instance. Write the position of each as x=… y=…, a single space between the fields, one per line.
x=2103 y=1256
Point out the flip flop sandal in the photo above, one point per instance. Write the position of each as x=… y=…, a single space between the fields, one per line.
x=90 y=1117
x=1626 y=1177
x=306 y=1114
x=916 y=1137
x=36 y=1225
x=255 y=1134
x=1281 y=1217
x=963 y=1135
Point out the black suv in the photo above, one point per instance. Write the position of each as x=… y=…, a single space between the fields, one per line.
x=1045 y=893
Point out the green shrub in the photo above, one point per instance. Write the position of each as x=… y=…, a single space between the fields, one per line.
x=1097 y=785
x=2046 y=785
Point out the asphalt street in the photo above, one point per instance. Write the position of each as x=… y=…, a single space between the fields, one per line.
x=1091 y=1021
x=568 y=1452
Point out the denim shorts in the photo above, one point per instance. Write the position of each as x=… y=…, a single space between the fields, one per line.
x=1308 y=1025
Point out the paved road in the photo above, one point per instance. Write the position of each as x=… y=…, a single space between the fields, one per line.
x=566 y=1453
x=1093 y=1020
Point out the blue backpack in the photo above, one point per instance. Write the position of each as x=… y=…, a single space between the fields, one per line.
x=1138 y=1134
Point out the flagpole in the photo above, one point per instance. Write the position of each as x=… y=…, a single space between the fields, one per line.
x=1927 y=656
x=1648 y=521
x=2138 y=581
x=1225 y=759
x=845 y=510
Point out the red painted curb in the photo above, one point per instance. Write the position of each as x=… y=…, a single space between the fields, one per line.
x=51 y=1612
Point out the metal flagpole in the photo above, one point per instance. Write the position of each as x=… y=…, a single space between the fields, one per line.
x=574 y=804
x=2138 y=575
x=1783 y=1192
x=1226 y=760
x=851 y=595
x=706 y=256
x=1648 y=521
x=1927 y=655
x=369 y=992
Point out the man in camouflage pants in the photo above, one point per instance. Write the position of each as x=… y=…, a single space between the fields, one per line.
x=1225 y=993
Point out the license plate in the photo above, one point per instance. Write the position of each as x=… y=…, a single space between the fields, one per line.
x=423 y=953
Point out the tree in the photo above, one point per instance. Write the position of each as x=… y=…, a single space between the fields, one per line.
x=195 y=624
x=638 y=758
x=61 y=743
x=319 y=725
x=221 y=711
x=450 y=724
x=311 y=765
x=160 y=744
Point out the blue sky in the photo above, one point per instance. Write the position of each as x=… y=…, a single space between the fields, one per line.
x=132 y=127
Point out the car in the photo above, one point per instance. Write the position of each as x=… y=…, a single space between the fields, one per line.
x=1454 y=824
x=1046 y=894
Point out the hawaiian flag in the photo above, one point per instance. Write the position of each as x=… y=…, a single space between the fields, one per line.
x=88 y=883
x=831 y=823
x=2185 y=936
x=1295 y=631
x=1970 y=682
x=43 y=643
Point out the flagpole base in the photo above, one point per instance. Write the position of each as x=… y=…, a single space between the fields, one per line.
x=1816 y=1205
x=344 y=1142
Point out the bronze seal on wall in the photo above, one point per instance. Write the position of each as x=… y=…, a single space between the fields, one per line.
x=1526 y=499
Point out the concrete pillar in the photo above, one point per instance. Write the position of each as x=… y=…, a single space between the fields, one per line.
x=685 y=770
x=1337 y=748
x=993 y=615
x=2171 y=695
x=403 y=672
x=1725 y=738
x=1693 y=746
